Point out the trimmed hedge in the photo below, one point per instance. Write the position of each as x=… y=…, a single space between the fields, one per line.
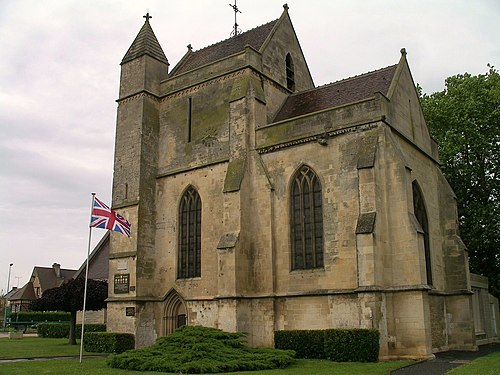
x=61 y=330
x=108 y=342
x=339 y=345
x=307 y=344
x=352 y=345
x=36 y=316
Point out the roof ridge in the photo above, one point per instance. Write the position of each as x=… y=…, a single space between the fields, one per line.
x=350 y=78
x=224 y=48
x=344 y=91
x=364 y=74
x=232 y=37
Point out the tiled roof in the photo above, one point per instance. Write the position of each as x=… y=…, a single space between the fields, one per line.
x=26 y=293
x=48 y=279
x=145 y=43
x=335 y=94
x=98 y=261
x=255 y=38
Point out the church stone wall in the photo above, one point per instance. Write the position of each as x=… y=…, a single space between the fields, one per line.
x=274 y=54
x=405 y=113
x=209 y=183
x=206 y=139
x=204 y=73
x=439 y=326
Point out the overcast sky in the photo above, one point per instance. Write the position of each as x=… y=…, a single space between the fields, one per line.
x=59 y=76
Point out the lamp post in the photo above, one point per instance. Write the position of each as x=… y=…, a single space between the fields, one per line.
x=8 y=287
x=8 y=280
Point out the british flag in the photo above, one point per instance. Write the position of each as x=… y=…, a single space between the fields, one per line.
x=105 y=218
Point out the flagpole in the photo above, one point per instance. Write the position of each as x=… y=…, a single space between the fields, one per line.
x=86 y=280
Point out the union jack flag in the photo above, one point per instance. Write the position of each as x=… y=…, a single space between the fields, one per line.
x=105 y=218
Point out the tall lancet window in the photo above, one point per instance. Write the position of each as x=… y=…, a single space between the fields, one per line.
x=306 y=220
x=290 y=73
x=421 y=215
x=189 y=235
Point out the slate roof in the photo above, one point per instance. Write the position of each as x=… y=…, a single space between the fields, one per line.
x=255 y=38
x=11 y=292
x=98 y=261
x=346 y=91
x=26 y=293
x=145 y=43
x=48 y=278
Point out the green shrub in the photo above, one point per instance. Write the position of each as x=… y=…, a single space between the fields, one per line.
x=37 y=316
x=90 y=328
x=307 y=344
x=108 y=342
x=352 y=345
x=53 y=330
x=61 y=330
x=340 y=345
x=196 y=350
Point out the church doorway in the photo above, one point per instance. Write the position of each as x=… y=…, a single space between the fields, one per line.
x=175 y=313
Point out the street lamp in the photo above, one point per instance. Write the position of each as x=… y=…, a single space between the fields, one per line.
x=8 y=287
x=8 y=280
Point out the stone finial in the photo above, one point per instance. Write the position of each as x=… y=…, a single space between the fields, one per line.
x=189 y=47
x=147 y=17
x=285 y=6
x=403 y=51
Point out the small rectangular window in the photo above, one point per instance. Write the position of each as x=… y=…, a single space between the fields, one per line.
x=190 y=118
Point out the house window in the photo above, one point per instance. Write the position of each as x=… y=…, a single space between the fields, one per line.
x=290 y=73
x=477 y=310
x=421 y=215
x=493 y=319
x=306 y=220
x=189 y=235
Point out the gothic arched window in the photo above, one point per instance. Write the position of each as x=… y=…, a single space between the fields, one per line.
x=421 y=215
x=306 y=220
x=290 y=72
x=189 y=235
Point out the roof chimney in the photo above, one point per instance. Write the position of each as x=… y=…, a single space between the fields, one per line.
x=57 y=269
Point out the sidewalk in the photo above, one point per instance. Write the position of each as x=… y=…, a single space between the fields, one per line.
x=446 y=361
x=6 y=335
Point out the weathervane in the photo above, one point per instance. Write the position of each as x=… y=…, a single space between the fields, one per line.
x=236 y=30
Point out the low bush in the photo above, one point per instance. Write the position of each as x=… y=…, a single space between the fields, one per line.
x=307 y=344
x=339 y=345
x=196 y=350
x=352 y=345
x=61 y=330
x=108 y=342
x=53 y=330
x=37 y=316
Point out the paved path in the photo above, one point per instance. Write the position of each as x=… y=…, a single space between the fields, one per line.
x=6 y=335
x=446 y=361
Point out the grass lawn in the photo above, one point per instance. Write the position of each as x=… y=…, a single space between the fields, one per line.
x=487 y=365
x=31 y=347
x=97 y=366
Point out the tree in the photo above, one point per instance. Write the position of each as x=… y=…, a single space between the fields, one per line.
x=465 y=121
x=69 y=297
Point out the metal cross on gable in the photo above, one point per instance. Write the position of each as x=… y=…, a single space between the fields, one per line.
x=236 y=30
x=147 y=17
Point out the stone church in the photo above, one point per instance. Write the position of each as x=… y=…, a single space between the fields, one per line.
x=260 y=202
